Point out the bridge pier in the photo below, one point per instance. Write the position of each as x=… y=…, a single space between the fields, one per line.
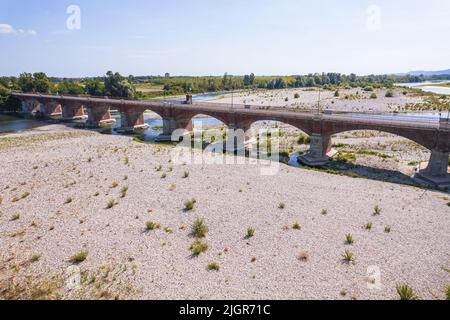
x=237 y=138
x=319 y=148
x=437 y=171
x=169 y=126
x=98 y=115
x=131 y=119
x=72 y=111
x=50 y=109
x=29 y=107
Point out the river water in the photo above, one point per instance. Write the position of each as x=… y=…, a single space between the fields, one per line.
x=424 y=87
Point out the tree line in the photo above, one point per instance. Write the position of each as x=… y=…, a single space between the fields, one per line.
x=113 y=84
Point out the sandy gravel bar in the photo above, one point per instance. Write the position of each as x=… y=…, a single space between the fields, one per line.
x=40 y=229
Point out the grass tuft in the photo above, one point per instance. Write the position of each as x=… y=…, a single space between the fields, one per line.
x=387 y=229
x=213 y=266
x=281 y=205
x=406 y=292
x=150 y=225
x=349 y=239
x=348 y=256
x=250 y=233
x=303 y=256
x=189 y=205
x=376 y=211
x=35 y=258
x=68 y=200
x=199 y=228
x=368 y=226
x=296 y=226
x=25 y=195
x=199 y=247
x=111 y=204
x=124 y=191
x=79 y=257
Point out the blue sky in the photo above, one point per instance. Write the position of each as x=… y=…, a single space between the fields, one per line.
x=210 y=37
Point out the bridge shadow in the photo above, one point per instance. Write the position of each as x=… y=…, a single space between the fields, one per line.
x=365 y=172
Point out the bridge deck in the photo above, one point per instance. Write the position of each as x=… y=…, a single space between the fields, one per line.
x=244 y=110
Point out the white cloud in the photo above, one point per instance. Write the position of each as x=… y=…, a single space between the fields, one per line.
x=6 y=28
x=9 y=29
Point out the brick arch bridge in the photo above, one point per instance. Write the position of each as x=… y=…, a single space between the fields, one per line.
x=434 y=136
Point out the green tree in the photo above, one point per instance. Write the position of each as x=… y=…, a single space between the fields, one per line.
x=70 y=87
x=94 y=88
x=118 y=86
x=26 y=82
x=8 y=103
x=41 y=82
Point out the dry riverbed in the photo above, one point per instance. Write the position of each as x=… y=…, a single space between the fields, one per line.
x=348 y=100
x=59 y=240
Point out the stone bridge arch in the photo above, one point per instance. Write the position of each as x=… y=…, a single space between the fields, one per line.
x=426 y=138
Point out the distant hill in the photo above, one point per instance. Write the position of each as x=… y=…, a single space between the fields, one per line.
x=429 y=73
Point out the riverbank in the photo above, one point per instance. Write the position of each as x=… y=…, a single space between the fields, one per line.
x=60 y=240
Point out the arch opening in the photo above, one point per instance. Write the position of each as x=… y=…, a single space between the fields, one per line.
x=378 y=154
x=270 y=136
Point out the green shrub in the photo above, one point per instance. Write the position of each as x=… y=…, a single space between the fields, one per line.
x=373 y=96
x=199 y=228
x=250 y=232
x=304 y=139
x=389 y=94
